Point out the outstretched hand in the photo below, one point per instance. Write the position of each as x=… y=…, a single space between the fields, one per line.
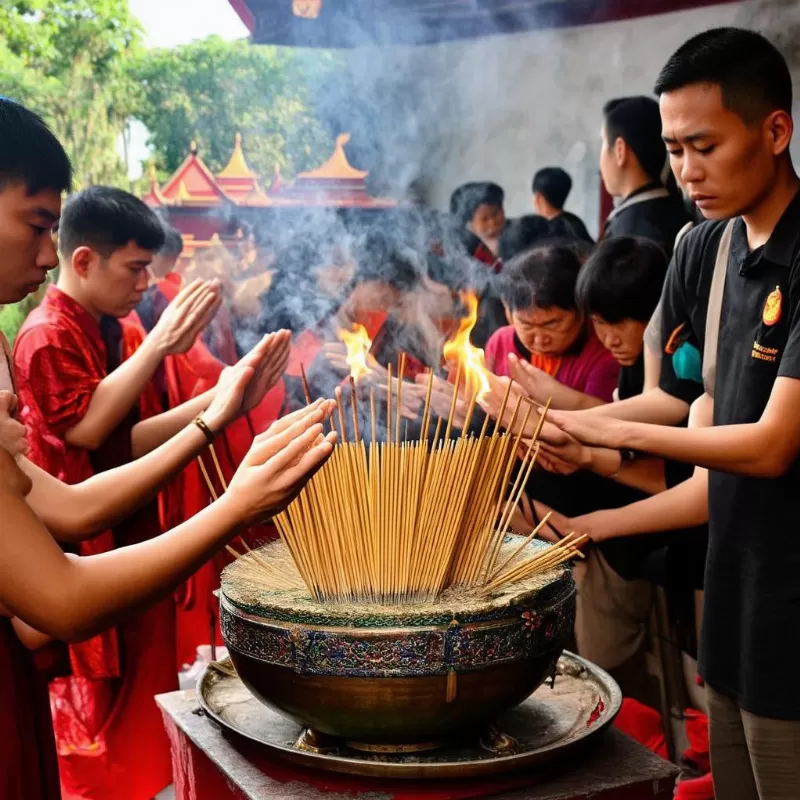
x=242 y=387
x=565 y=457
x=536 y=383
x=186 y=316
x=280 y=462
x=589 y=429
x=335 y=354
x=12 y=433
x=492 y=403
x=268 y=360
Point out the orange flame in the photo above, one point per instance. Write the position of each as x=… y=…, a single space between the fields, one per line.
x=358 y=345
x=458 y=349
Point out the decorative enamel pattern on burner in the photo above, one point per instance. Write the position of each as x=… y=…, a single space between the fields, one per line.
x=521 y=633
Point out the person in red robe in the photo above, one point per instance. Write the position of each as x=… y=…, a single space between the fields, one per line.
x=375 y=287
x=85 y=412
x=75 y=598
x=188 y=375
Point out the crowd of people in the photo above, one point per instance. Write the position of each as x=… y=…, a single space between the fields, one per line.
x=667 y=351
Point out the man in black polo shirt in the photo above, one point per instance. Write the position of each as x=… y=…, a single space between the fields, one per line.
x=726 y=99
x=551 y=187
x=632 y=159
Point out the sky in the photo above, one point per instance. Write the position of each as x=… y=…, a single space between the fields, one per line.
x=168 y=23
x=171 y=22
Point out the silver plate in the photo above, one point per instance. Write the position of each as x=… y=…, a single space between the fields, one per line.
x=581 y=703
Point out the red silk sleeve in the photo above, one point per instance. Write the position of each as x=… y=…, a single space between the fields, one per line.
x=63 y=379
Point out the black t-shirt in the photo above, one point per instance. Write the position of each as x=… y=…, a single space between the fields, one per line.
x=631 y=379
x=752 y=602
x=659 y=220
x=569 y=226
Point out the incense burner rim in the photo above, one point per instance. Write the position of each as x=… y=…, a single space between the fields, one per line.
x=514 y=633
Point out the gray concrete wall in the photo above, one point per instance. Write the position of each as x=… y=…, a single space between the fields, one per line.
x=548 y=92
x=500 y=107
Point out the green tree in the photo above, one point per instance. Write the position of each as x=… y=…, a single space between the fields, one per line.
x=69 y=61
x=208 y=90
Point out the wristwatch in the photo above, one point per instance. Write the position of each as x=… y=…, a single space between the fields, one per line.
x=625 y=457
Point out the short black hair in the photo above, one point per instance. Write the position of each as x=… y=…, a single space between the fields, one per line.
x=106 y=219
x=522 y=234
x=466 y=199
x=622 y=279
x=173 y=243
x=30 y=152
x=749 y=69
x=294 y=299
x=543 y=277
x=637 y=121
x=379 y=258
x=554 y=184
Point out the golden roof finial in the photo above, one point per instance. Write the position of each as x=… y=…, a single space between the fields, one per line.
x=151 y=173
x=193 y=147
x=337 y=167
x=183 y=193
x=237 y=166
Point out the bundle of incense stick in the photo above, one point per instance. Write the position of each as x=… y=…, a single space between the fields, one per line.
x=399 y=521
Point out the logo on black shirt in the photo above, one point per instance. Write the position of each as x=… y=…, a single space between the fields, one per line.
x=772 y=308
x=765 y=353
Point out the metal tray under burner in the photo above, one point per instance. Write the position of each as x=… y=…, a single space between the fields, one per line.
x=581 y=703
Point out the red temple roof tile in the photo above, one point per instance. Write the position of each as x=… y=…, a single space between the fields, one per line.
x=193 y=184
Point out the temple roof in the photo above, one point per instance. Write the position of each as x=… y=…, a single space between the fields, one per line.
x=237 y=180
x=355 y=23
x=194 y=184
x=335 y=184
x=237 y=165
x=337 y=167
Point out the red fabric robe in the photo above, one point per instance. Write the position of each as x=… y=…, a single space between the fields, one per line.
x=187 y=376
x=110 y=737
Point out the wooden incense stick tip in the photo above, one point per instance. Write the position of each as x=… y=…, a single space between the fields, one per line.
x=372 y=415
x=354 y=407
x=236 y=555
x=340 y=407
x=306 y=387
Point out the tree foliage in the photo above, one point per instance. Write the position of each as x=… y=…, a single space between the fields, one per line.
x=208 y=90
x=70 y=61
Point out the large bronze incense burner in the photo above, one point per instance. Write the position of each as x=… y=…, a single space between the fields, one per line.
x=397 y=612
x=403 y=677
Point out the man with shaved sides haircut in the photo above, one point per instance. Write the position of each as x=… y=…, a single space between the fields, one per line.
x=732 y=329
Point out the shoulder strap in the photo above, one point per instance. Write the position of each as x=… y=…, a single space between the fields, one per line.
x=681 y=233
x=644 y=197
x=714 y=312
